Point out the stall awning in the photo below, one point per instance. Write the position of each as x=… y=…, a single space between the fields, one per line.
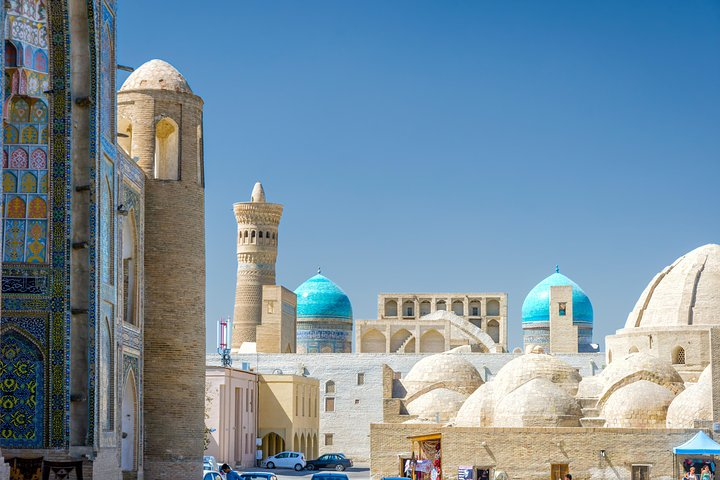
x=700 y=444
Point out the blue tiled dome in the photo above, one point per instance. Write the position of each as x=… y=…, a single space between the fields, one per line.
x=319 y=297
x=536 y=307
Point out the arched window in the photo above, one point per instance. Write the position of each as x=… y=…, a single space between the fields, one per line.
x=391 y=308
x=424 y=308
x=10 y=54
x=330 y=387
x=107 y=377
x=441 y=305
x=124 y=135
x=493 y=329
x=493 y=308
x=474 y=308
x=167 y=152
x=408 y=309
x=129 y=262
x=252 y=236
x=633 y=349
x=678 y=356
x=260 y=235
x=199 y=150
x=458 y=308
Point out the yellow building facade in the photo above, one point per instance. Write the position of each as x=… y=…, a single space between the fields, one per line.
x=289 y=416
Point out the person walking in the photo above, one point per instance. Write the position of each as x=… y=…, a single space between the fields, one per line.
x=229 y=473
x=691 y=474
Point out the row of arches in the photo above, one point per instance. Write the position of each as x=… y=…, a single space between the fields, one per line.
x=407 y=309
x=18 y=54
x=23 y=109
x=18 y=207
x=404 y=341
x=252 y=236
x=166 y=164
x=28 y=182
x=307 y=444
x=21 y=157
x=273 y=443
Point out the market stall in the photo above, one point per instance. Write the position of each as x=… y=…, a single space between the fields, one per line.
x=426 y=461
x=697 y=452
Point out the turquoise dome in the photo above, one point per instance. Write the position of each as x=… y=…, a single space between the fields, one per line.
x=320 y=297
x=536 y=307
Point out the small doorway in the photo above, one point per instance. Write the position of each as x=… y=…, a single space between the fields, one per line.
x=559 y=470
x=129 y=423
x=483 y=473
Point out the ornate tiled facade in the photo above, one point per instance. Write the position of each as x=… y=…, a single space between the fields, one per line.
x=72 y=336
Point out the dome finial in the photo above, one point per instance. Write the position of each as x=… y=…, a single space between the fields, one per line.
x=258 y=193
x=557 y=268
x=319 y=270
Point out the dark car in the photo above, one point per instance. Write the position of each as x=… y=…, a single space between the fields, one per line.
x=330 y=460
x=329 y=476
x=258 y=476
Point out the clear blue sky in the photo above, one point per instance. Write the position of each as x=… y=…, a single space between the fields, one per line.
x=453 y=146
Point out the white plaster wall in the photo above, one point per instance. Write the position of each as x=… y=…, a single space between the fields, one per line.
x=356 y=406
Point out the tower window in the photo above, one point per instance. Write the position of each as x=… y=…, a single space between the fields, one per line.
x=328 y=439
x=329 y=404
x=678 y=356
x=562 y=308
x=167 y=152
x=330 y=387
x=361 y=379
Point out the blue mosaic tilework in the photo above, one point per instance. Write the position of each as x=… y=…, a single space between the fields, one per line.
x=536 y=307
x=22 y=391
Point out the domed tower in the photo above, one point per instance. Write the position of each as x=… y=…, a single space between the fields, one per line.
x=257 y=246
x=160 y=126
x=324 y=317
x=558 y=316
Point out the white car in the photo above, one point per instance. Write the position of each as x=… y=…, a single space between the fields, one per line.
x=294 y=460
x=212 y=475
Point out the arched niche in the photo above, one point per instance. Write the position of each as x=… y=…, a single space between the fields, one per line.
x=125 y=135
x=167 y=150
x=129 y=424
x=130 y=269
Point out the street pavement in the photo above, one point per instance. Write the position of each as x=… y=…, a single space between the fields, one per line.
x=358 y=472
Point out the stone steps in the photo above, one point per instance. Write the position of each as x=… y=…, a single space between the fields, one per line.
x=592 y=422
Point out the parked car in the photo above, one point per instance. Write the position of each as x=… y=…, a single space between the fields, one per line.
x=338 y=461
x=329 y=476
x=209 y=463
x=258 y=476
x=294 y=460
x=212 y=475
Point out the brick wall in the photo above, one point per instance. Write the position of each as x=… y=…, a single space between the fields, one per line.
x=174 y=287
x=527 y=453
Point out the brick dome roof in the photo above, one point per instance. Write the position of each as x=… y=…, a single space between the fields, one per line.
x=156 y=75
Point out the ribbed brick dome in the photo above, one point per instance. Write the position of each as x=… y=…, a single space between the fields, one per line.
x=684 y=293
x=156 y=75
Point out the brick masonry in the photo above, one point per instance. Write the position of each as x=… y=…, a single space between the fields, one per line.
x=174 y=286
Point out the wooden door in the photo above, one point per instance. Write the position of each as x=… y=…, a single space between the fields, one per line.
x=558 y=471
